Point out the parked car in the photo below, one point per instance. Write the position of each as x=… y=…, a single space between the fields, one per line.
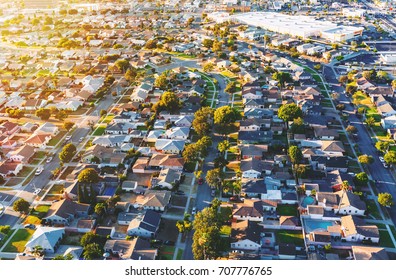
x=81 y=139
x=68 y=137
x=29 y=226
x=213 y=193
x=37 y=191
x=169 y=242
x=200 y=181
x=39 y=171
x=236 y=198
x=381 y=159
x=49 y=160
x=194 y=211
x=179 y=192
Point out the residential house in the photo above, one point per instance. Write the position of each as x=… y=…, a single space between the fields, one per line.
x=386 y=110
x=250 y=209
x=183 y=121
x=136 y=249
x=388 y=122
x=355 y=229
x=363 y=84
x=38 y=140
x=245 y=236
x=324 y=133
x=47 y=238
x=154 y=200
x=170 y=146
x=161 y=161
x=253 y=188
x=255 y=137
x=364 y=253
x=177 y=133
x=23 y=154
x=146 y=225
x=251 y=168
x=332 y=148
x=253 y=151
x=10 y=168
x=47 y=128
x=341 y=202
x=167 y=178
x=141 y=165
x=254 y=124
x=64 y=211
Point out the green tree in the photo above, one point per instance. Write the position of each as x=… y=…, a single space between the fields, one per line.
x=103 y=113
x=382 y=146
x=390 y=157
x=43 y=114
x=365 y=159
x=184 y=225
x=370 y=121
x=92 y=251
x=217 y=46
x=100 y=209
x=214 y=178
x=61 y=115
x=122 y=64
x=203 y=121
x=385 y=199
x=225 y=115
x=351 y=129
x=295 y=155
x=209 y=66
x=282 y=78
x=361 y=179
x=297 y=126
x=67 y=125
x=89 y=238
x=170 y=102
x=5 y=229
x=207 y=43
x=206 y=238
x=21 y=206
x=161 y=81
x=394 y=84
x=130 y=74
x=88 y=175
x=190 y=153
x=223 y=146
x=289 y=112
x=230 y=87
x=67 y=153
x=68 y=257
x=343 y=79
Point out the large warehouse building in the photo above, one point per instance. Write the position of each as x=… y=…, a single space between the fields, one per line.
x=301 y=26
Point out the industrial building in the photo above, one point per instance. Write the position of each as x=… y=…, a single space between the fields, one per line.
x=299 y=26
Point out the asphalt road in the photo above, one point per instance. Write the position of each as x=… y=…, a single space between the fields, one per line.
x=204 y=198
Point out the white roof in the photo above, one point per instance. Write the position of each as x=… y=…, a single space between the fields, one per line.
x=46 y=237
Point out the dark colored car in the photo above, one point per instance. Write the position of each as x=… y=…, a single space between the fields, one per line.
x=200 y=181
x=169 y=242
x=179 y=192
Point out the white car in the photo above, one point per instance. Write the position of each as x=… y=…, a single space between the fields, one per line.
x=39 y=171
x=37 y=191
x=194 y=211
x=381 y=159
x=48 y=160
x=81 y=139
x=68 y=138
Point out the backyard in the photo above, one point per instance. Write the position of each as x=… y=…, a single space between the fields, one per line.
x=290 y=236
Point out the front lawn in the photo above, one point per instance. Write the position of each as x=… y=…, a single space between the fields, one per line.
x=385 y=239
x=54 y=141
x=290 y=236
x=287 y=210
x=56 y=189
x=99 y=131
x=19 y=240
x=166 y=252
x=179 y=254
x=25 y=171
x=372 y=210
